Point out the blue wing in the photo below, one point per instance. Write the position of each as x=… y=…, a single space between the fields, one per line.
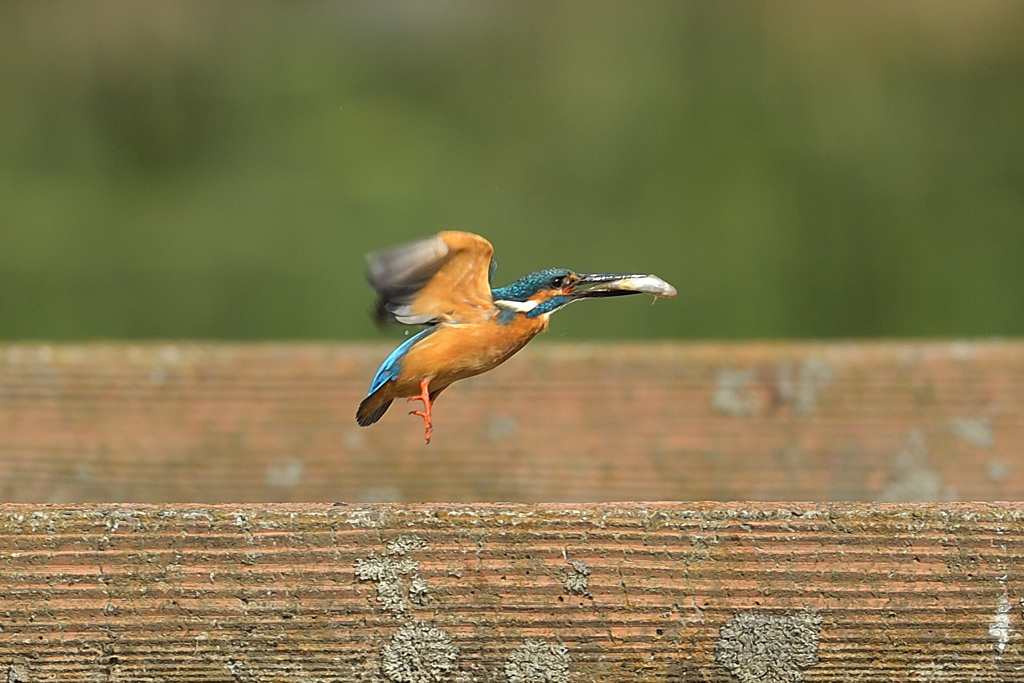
x=393 y=363
x=376 y=404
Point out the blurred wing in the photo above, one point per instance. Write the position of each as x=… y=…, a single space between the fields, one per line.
x=441 y=278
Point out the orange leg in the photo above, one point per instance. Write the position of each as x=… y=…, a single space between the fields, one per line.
x=424 y=396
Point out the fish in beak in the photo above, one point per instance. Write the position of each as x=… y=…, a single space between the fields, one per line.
x=597 y=285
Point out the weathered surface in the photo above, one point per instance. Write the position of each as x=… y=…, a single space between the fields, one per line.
x=682 y=592
x=209 y=423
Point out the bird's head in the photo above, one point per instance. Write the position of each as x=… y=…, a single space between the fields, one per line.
x=545 y=291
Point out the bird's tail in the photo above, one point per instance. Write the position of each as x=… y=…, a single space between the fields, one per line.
x=373 y=408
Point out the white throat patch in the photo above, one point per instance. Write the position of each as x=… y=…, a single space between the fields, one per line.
x=519 y=306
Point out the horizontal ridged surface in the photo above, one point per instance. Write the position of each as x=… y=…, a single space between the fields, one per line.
x=214 y=423
x=607 y=592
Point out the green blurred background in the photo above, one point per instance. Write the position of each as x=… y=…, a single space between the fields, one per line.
x=216 y=169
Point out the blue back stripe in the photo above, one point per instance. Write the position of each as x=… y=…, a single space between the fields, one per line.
x=392 y=365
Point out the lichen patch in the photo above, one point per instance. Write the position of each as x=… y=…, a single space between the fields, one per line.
x=733 y=394
x=535 y=661
x=419 y=652
x=395 y=574
x=578 y=580
x=769 y=648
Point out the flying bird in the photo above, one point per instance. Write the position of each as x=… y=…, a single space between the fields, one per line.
x=444 y=282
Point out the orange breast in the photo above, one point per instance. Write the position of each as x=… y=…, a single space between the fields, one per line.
x=454 y=352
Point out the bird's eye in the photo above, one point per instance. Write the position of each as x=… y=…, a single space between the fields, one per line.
x=558 y=282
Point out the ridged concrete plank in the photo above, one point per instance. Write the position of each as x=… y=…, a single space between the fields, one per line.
x=519 y=593
x=274 y=423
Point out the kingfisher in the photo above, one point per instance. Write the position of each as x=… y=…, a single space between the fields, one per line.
x=444 y=283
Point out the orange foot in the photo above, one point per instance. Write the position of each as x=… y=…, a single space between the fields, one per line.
x=425 y=413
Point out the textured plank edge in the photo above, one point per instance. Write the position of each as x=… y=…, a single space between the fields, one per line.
x=519 y=593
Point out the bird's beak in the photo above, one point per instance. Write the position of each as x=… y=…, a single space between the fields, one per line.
x=596 y=285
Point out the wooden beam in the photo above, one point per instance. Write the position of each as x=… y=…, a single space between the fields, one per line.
x=519 y=593
x=265 y=423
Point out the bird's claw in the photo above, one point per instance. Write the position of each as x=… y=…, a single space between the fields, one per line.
x=424 y=396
